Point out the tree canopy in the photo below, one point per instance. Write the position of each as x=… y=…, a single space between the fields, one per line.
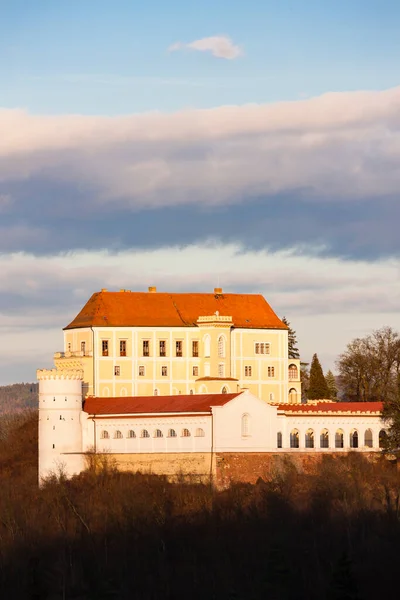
x=318 y=388
x=331 y=384
x=293 y=351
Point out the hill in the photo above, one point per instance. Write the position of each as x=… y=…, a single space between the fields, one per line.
x=18 y=397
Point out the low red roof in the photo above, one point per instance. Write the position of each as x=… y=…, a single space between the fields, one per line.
x=155 y=404
x=332 y=407
x=146 y=309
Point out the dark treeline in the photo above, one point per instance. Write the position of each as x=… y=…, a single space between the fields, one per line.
x=104 y=534
x=18 y=397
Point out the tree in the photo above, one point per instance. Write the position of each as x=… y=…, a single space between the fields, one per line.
x=318 y=388
x=293 y=351
x=305 y=380
x=331 y=384
x=369 y=367
x=391 y=414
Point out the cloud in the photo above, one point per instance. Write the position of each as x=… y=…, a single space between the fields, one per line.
x=220 y=46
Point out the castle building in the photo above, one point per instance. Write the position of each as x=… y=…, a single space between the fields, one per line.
x=192 y=384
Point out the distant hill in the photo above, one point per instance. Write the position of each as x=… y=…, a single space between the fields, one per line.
x=18 y=397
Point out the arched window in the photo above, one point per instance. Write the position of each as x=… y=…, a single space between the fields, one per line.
x=279 y=439
x=118 y=435
x=221 y=346
x=158 y=433
x=104 y=435
x=354 y=439
x=382 y=438
x=144 y=433
x=310 y=439
x=292 y=396
x=224 y=390
x=185 y=433
x=131 y=434
x=339 y=439
x=203 y=389
x=106 y=392
x=293 y=372
x=324 y=439
x=368 y=438
x=200 y=432
x=124 y=391
x=191 y=392
x=245 y=425
x=294 y=439
x=171 y=433
x=156 y=392
x=207 y=346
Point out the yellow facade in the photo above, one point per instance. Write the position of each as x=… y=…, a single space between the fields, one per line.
x=210 y=357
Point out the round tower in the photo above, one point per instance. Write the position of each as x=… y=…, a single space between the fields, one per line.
x=60 y=428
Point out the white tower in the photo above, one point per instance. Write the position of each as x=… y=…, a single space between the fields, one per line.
x=60 y=427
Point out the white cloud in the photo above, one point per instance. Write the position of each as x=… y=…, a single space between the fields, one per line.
x=220 y=46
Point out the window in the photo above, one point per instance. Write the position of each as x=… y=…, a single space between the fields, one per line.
x=195 y=371
x=200 y=432
x=310 y=439
x=245 y=425
x=354 y=439
x=191 y=392
x=117 y=371
x=292 y=396
x=69 y=350
x=122 y=347
x=171 y=433
x=224 y=390
x=293 y=374
x=144 y=434
x=368 y=438
x=271 y=396
x=131 y=434
x=163 y=348
x=339 y=439
x=178 y=348
x=324 y=439
x=382 y=438
x=83 y=348
x=271 y=371
x=261 y=348
x=146 y=348
x=279 y=439
x=118 y=435
x=221 y=346
x=247 y=371
x=124 y=392
x=158 y=433
x=104 y=347
x=294 y=439
x=141 y=371
x=207 y=346
x=164 y=371
x=195 y=348
x=221 y=370
x=104 y=435
x=185 y=433
x=156 y=392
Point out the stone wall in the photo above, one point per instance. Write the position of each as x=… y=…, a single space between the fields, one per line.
x=194 y=465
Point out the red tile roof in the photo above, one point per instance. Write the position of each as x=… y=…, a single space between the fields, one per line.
x=332 y=407
x=155 y=404
x=145 y=309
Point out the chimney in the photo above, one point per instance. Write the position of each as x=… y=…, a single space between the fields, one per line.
x=217 y=290
x=152 y=289
x=104 y=289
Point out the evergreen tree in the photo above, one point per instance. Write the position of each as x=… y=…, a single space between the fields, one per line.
x=318 y=388
x=331 y=383
x=292 y=341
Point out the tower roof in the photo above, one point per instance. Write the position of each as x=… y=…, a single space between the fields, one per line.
x=154 y=309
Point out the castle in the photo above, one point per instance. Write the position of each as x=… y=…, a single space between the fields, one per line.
x=186 y=384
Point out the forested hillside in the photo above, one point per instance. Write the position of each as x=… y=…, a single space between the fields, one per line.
x=18 y=397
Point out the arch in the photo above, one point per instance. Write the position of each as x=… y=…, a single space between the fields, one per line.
x=191 y=392
x=118 y=435
x=382 y=438
x=131 y=434
x=225 y=390
x=221 y=346
x=368 y=438
x=354 y=439
x=105 y=435
x=158 y=433
x=144 y=433
x=339 y=439
x=293 y=372
x=185 y=432
x=309 y=439
x=207 y=345
x=106 y=392
x=294 y=438
x=156 y=392
x=171 y=433
x=203 y=389
x=124 y=391
x=200 y=432
x=292 y=396
x=245 y=425
x=279 y=439
x=324 y=439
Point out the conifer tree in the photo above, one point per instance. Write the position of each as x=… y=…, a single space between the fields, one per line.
x=318 y=388
x=331 y=383
x=293 y=351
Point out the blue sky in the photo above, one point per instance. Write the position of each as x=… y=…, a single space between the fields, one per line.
x=252 y=144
